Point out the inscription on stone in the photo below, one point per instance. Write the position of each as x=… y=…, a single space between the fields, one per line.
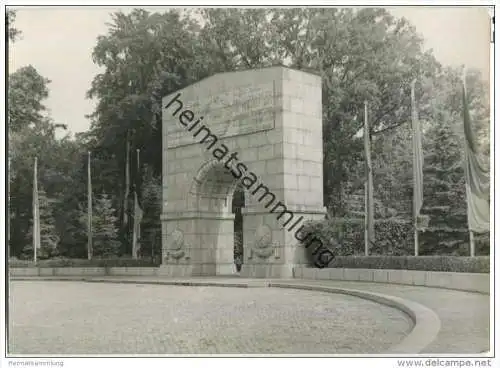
x=242 y=110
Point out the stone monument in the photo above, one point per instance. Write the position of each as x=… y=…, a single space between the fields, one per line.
x=260 y=130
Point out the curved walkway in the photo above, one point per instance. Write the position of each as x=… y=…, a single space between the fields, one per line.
x=463 y=316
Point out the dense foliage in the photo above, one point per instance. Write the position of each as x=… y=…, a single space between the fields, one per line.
x=345 y=237
x=361 y=54
x=12 y=32
x=32 y=134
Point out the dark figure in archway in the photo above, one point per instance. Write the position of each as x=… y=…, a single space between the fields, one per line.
x=238 y=204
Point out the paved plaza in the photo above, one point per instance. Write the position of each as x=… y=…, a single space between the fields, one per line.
x=101 y=318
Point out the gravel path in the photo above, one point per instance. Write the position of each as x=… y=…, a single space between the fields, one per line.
x=98 y=318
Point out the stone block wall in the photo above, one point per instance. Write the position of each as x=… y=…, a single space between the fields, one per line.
x=475 y=282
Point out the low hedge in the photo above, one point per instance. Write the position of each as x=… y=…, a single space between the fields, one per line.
x=420 y=263
x=75 y=262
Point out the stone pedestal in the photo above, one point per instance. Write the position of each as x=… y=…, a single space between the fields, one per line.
x=198 y=244
x=274 y=256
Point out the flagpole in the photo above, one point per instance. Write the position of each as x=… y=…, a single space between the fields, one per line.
x=369 y=210
x=136 y=228
x=127 y=186
x=8 y=217
x=367 y=240
x=472 y=243
x=136 y=190
x=36 y=223
x=415 y=175
x=89 y=209
x=471 y=233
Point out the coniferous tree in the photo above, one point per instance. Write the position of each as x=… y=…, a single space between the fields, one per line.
x=151 y=226
x=444 y=190
x=104 y=228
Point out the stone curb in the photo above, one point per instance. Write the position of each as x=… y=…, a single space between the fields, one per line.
x=256 y=284
x=426 y=322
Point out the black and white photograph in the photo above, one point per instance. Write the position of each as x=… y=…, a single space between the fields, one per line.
x=241 y=181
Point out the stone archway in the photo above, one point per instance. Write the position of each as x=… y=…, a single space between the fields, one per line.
x=257 y=129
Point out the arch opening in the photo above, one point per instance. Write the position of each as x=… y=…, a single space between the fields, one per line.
x=214 y=189
x=238 y=200
x=219 y=194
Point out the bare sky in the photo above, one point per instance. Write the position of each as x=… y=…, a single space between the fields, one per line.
x=58 y=42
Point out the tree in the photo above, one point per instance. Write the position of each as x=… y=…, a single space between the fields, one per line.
x=68 y=180
x=104 y=229
x=49 y=239
x=145 y=56
x=393 y=170
x=444 y=192
x=361 y=54
x=444 y=181
x=27 y=91
x=26 y=145
x=10 y=17
x=151 y=202
x=32 y=134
